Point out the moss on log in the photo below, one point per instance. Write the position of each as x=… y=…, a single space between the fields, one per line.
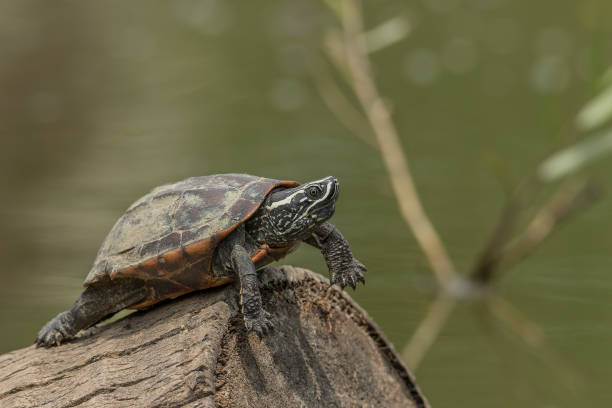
x=194 y=352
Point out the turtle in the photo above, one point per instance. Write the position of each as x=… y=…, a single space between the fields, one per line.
x=204 y=232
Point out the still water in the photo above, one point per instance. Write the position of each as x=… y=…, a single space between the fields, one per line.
x=102 y=101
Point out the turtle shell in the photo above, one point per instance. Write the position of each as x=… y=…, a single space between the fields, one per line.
x=168 y=237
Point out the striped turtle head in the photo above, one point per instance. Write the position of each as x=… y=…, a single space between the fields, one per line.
x=291 y=214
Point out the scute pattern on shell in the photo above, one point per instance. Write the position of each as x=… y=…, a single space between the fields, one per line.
x=176 y=227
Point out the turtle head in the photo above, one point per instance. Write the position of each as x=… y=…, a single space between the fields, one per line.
x=291 y=214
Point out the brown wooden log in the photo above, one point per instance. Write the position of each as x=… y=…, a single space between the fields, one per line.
x=194 y=352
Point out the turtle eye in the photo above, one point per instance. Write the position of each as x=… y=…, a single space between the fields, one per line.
x=314 y=192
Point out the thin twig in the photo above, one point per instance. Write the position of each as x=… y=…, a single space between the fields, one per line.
x=390 y=147
x=529 y=332
x=340 y=106
x=489 y=260
x=533 y=336
x=569 y=200
x=335 y=50
x=428 y=330
x=564 y=373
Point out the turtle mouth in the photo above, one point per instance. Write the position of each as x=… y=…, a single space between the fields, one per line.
x=324 y=213
x=336 y=188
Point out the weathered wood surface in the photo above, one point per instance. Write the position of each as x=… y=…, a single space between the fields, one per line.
x=194 y=352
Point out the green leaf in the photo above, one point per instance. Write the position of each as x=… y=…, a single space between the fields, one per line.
x=596 y=112
x=575 y=157
x=387 y=33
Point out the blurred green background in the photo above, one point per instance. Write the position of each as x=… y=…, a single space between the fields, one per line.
x=101 y=101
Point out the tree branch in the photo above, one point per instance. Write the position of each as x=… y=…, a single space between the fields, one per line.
x=194 y=351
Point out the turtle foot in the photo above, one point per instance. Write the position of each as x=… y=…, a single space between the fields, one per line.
x=349 y=275
x=260 y=324
x=56 y=331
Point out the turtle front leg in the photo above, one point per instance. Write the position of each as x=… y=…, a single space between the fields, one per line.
x=256 y=319
x=344 y=269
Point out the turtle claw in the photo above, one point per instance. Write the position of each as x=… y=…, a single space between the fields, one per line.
x=260 y=325
x=349 y=276
x=49 y=339
x=55 y=332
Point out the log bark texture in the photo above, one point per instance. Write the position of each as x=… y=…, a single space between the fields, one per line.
x=194 y=352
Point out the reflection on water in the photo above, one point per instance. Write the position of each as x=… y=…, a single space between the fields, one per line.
x=99 y=104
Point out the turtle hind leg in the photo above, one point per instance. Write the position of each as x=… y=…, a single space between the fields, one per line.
x=95 y=304
x=55 y=331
